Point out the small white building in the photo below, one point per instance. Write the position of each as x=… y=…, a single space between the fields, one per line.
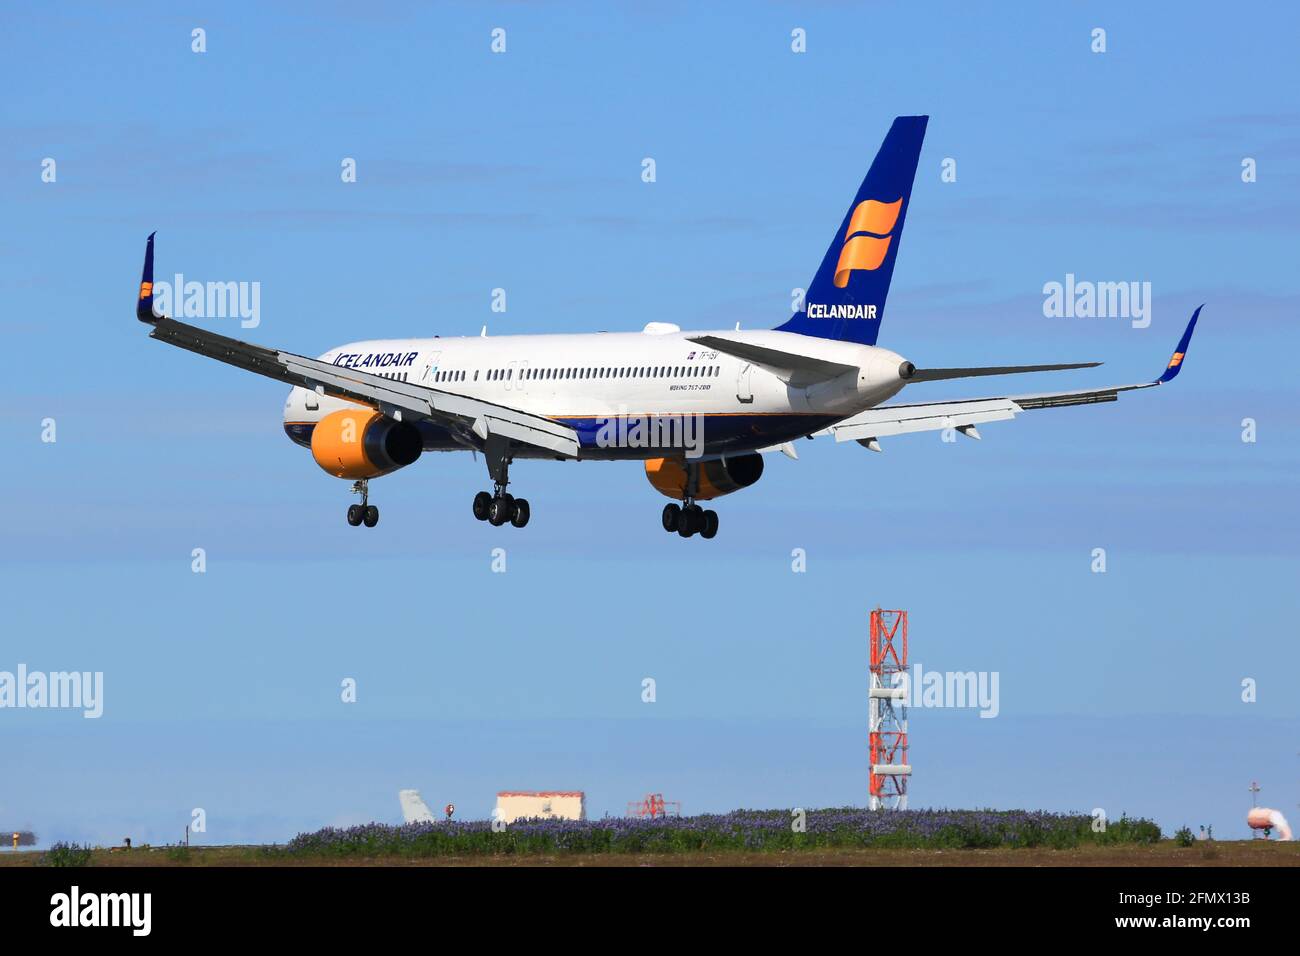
x=515 y=805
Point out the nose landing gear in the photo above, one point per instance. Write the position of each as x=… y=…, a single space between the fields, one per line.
x=364 y=513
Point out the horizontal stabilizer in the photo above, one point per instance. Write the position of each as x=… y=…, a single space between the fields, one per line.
x=942 y=374
x=790 y=367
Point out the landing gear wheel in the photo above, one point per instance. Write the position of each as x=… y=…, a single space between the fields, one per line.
x=365 y=511
x=521 y=513
x=710 y=524
x=482 y=502
x=686 y=522
x=671 y=511
x=499 y=512
x=697 y=518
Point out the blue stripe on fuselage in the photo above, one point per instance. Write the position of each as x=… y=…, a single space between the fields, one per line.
x=721 y=434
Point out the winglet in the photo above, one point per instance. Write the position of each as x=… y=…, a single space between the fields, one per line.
x=1180 y=353
x=144 y=305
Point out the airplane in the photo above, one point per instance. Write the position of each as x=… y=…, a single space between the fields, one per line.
x=698 y=409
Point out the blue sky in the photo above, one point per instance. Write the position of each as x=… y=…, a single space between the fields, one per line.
x=522 y=171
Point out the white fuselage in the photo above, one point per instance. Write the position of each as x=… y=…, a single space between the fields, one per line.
x=589 y=380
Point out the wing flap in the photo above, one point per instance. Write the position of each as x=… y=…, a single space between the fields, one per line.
x=1087 y=397
x=890 y=420
x=904 y=419
x=524 y=432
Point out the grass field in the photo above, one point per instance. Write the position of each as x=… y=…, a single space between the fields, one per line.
x=844 y=836
x=1164 y=853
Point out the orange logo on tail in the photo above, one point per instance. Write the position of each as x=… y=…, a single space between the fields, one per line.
x=866 y=251
x=146 y=289
x=1177 y=360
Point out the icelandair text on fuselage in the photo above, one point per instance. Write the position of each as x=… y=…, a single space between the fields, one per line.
x=376 y=360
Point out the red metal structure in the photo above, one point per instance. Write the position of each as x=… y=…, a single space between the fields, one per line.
x=654 y=805
x=887 y=728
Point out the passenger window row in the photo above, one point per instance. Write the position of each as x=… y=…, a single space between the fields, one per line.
x=649 y=371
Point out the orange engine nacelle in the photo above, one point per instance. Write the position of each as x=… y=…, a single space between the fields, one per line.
x=717 y=477
x=362 y=443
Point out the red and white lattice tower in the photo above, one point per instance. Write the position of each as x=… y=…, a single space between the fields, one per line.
x=887 y=731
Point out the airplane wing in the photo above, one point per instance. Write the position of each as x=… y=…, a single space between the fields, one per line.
x=965 y=414
x=399 y=400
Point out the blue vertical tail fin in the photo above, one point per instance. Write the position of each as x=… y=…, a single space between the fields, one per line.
x=846 y=300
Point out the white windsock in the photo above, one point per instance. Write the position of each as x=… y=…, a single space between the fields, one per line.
x=413 y=808
x=1264 y=818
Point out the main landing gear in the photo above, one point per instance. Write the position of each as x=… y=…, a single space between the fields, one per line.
x=496 y=509
x=690 y=519
x=364 y=513
x=500 y=506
